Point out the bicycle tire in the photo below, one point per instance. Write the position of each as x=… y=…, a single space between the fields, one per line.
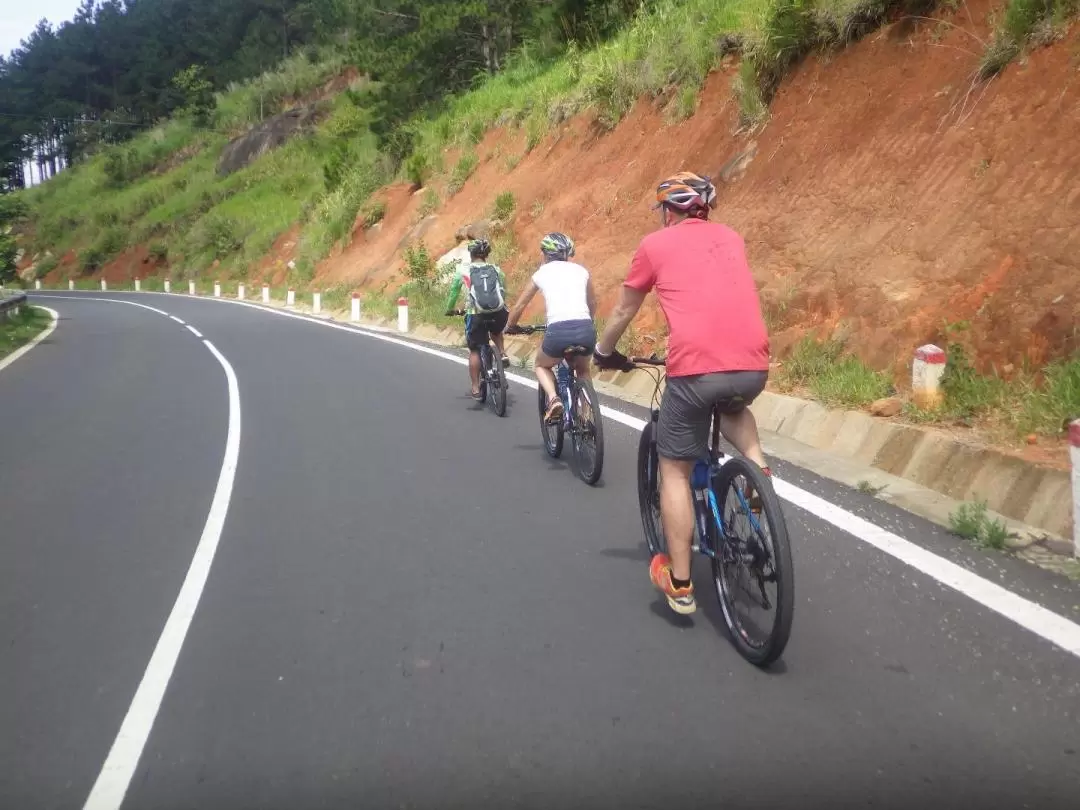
x=772 y=516
x=648 y=490
x=589 y=474
x=553 y=434
x=484 y=361
x=498 y=396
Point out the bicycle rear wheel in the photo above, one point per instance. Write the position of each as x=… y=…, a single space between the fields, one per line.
x=587 y=431
x=752 y=570
x=553 y=433
x=498 y=383
x=485 y=365
x=648 y=481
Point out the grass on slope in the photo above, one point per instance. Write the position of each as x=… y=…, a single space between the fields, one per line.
x=162 y=188
x=18 y=330
x=669 y=48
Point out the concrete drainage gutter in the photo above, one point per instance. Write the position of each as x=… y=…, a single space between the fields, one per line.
x=923 y=470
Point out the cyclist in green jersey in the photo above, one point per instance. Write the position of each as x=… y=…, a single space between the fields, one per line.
x=486 y=312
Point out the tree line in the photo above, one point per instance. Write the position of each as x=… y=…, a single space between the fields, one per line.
x=121 y=65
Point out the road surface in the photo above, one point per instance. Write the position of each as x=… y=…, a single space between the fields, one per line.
x=403 y=603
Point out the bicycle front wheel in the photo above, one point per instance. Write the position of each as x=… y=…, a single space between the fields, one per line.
x=752 y=570
x=587 y=432
x=648 y=481
x=553 y=433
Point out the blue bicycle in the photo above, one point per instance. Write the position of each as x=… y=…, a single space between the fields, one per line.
x=581 y=415
x=739 y=525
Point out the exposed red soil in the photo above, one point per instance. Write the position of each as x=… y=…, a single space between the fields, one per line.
x=888 y=197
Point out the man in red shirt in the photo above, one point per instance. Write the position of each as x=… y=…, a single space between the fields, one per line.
x=718 y=354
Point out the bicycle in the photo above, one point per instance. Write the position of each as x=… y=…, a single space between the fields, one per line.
x=492 y=375
x=581 y=415
x=724 y=491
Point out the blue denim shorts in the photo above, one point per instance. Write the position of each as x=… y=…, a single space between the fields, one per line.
x=561 y=335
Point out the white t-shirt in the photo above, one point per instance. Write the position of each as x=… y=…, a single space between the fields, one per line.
x=563 y=285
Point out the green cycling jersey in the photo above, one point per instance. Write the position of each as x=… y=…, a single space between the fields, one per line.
x=461 y=279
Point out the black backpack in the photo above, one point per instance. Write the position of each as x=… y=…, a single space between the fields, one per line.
x=486 y=288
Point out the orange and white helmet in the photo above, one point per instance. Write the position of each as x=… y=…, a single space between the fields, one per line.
x=686 y=191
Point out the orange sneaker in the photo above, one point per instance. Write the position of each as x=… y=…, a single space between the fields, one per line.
x=681 y=600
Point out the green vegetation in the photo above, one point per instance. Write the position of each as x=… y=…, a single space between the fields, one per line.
x=18 y=330
x=504 y=206
x=1025 y=23
x=833 y=375
x=971 y=522
x=1030 y=403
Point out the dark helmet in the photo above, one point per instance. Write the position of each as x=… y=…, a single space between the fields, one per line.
x=479 y=248
x=686 y=192
x=557 y=246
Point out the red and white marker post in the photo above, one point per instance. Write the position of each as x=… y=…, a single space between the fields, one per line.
x=354 y=315
x=926 y=373
x=403 y=314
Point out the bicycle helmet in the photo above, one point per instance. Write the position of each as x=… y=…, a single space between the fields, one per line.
x=686 y=192
x=557 y=246
x=479 y=248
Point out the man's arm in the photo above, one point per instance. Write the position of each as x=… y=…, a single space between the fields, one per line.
x=630 y=302
x=590 y=298
x=455 y=288
x=522 y=302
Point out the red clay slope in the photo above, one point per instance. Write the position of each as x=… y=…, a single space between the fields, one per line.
x=887 y=197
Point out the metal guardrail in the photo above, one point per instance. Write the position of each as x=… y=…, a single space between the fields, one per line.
x=11 y=304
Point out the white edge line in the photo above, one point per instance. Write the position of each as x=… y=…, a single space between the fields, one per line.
x=1031 y=616
x=115 y=776
x=193 y=330
x=44 y=333
x=173 y=317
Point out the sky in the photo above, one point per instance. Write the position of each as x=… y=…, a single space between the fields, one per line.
x=19 y=17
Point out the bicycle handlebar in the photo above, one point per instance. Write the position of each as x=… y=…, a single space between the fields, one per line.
x=654 y=360
x=526 y=330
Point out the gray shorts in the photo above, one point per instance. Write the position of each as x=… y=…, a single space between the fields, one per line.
x=686 y=411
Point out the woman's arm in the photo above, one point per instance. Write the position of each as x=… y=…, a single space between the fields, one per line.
x=522 y=302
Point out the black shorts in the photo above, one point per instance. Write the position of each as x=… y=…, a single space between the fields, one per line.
x=561 y=335
x=686 y=411
x=480 y=326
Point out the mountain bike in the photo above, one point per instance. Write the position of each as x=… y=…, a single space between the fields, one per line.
x=492 y=374
x=738 y=524
x=581 y=415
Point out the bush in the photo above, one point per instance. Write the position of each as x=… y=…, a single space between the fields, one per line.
x=158 y=251
x=91 y=259
x=971 y=522
x=420 y=266
x=417 y=169
x=504 y=206
x=466 y=165
x=45 y=266
x=373 y=214
x=217 y=235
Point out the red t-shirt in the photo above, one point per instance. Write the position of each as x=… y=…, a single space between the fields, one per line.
x=708 y=295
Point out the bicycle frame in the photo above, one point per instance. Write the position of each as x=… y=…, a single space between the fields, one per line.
x=705 y=505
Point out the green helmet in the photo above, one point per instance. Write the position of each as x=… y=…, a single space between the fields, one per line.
x=557 y=246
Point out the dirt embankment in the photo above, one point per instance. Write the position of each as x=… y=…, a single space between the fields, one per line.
x=887 y=198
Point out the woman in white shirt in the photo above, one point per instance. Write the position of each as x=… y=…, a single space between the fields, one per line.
x=570 y=302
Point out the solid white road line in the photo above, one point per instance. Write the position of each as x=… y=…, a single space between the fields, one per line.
x=115 y=776
x=19 y=352
x=1033 y=617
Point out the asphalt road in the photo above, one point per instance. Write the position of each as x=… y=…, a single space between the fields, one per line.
x=411 y=606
